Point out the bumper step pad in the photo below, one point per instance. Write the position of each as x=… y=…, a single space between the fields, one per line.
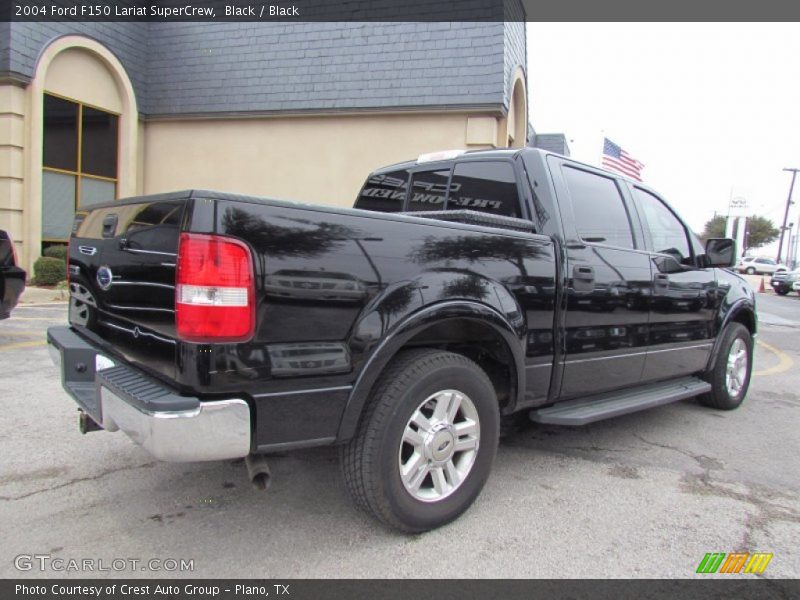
x=142 y=392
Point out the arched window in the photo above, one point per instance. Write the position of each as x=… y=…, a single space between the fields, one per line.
x=79 y=161
x=83 y=138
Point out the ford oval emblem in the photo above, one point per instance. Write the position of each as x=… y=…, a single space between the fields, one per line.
x=104 y=278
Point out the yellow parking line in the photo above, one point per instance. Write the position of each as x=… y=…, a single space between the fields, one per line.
x=13 y=333
x=16 y=318
x=785 y=362
x=23 y=345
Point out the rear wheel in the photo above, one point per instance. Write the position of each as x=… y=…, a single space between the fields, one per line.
x=750 y=271
x=426 y=442
x=730 y=377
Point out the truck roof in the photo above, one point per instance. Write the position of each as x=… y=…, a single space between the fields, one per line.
x=493 y=153
x=496 y=153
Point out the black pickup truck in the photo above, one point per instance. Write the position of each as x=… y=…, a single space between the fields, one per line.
x=462 y=288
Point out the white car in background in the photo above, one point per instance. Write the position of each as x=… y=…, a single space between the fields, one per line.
x=760 y=265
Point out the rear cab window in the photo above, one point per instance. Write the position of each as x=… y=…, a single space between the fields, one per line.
x=428 y=190
x=384 y=192
x=486 y=186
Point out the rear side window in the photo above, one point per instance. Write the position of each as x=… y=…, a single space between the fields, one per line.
x=600 y=213
x=158 y=213
x=488 y=187
x=428 y=190
x=384 y=192
x=666 y=231
x=131 y=220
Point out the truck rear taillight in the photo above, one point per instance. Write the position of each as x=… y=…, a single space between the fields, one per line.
x=215 y=290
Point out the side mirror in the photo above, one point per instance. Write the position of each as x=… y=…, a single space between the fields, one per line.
x=668 y=264
x=720 y=252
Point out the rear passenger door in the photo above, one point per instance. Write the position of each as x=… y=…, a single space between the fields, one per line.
x=608 y=283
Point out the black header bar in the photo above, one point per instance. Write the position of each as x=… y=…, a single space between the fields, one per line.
x=396 y=10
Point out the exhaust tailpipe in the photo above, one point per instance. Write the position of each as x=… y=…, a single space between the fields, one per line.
x=258 y=471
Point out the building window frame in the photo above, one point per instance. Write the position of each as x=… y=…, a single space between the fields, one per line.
x=79 y=174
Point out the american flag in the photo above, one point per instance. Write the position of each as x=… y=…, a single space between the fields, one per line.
x=616 y=159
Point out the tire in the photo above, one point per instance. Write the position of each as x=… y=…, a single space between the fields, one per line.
x=413 y=384
x=750 y=271
x=781 y=291
x=735 y=339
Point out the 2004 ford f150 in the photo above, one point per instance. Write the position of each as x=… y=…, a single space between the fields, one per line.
x=462 y=288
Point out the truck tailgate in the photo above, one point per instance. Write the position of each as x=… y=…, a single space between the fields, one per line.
x=122 y=278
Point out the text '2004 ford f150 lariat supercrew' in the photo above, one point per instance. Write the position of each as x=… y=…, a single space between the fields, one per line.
x=462 y=288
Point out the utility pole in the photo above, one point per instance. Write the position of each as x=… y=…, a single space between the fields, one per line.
x=786 y=214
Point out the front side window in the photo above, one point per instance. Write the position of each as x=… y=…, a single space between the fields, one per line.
x=428 y=190
x=384 y=192
x=666 y=230
x=599 y=211
x=79 y=162
x=488 y=187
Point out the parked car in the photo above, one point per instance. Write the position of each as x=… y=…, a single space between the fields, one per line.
x=759 y=265
x=783 y=281
x=12 y=278
x=493 y=283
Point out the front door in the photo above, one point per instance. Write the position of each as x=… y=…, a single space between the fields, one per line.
x=682 y=306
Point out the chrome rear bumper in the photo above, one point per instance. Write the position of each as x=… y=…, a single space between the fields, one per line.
x=213 y=431
x=169 y=426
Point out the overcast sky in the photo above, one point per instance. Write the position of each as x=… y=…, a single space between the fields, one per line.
x=710 y=109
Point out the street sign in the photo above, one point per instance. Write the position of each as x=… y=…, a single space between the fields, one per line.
x=738 y=207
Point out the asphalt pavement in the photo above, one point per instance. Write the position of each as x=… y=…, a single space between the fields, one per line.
x=644 y=495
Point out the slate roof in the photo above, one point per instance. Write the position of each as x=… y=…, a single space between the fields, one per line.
x=184 y=68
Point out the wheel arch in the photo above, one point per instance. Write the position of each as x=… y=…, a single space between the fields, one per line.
x=451 y=325
x=742 y=312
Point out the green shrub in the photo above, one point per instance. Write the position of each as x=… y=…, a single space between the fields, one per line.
x=58 y=251
x=49 y=271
